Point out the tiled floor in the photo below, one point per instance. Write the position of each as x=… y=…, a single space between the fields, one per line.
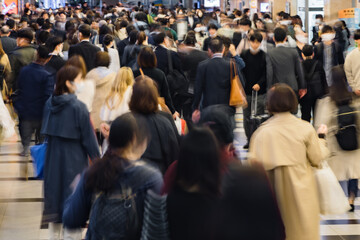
x=21 y=201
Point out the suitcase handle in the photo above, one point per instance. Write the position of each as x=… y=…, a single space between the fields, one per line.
x=254 y=96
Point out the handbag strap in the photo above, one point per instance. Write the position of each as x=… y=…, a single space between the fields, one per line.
x=142 y=73
x=232 y=69
x=170 y=65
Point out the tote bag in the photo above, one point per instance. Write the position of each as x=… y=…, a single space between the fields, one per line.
x=237 y=93
x=331 y=196
x=38 y=153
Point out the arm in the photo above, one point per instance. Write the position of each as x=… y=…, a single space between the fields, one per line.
x=77 y=207
x=239 y=62
x=349 y=73
x=199 y=85
x=316 y=149
x=88 y=138
x=262 y=80
x=269 y=72
x=71 y=51
x=165 y=92
x=299 y=72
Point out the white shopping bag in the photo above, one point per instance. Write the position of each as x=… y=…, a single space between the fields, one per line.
x=331 y=196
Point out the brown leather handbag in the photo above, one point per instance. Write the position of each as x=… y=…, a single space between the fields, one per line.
x=237 y=93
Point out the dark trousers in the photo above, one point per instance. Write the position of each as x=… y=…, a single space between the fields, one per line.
x=307 y=107
x=247 y=112
x=26 y=129
x=353 y=187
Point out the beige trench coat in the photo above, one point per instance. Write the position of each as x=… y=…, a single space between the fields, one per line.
x=103 y=87
x=345 y=164
x=288 y=148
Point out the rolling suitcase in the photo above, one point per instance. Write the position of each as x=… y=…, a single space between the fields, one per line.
x=255 y=120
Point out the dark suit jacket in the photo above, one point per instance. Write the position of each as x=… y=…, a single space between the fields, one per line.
x=212 y=83
x=163 y=62
x=87 y=51
x=190 y=61
x=283 y=66
x=337 y=55
x=8 y=44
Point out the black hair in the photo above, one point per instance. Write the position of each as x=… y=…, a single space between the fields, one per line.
x=308 y=50
x=159 y=38
x=40 y=21
x=339 y=92
x=141 y=17
x=108 y=38
x=52 y=42
x=357 y=34
x=124 y=24
x=124 y=130
x=212 y=26
x=319 y=16
x=43 y=52
x=246 y=10
x=190 y=39
x=279 y=34
x=256 y=36
x=326 y=29
x=43 y=36
x=245 y=22
x=216 y=45
x=10 y=23
x=133 y=36
x=26 y=33
x=266 y=16
x=199 y=162
x=129 y=28
x=84 y=29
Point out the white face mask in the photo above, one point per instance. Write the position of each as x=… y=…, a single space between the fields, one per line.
x=254 y=51
x=301 y=38
x=270 y=35
x=79 y=87
x=327 y=37
x=317 y=21
x=285 y=22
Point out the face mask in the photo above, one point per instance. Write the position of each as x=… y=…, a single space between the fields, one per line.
x=285 y=22
x=301 y=38
x=327 y=37
x=181 y=13
x=317 y=21
x=270 y=35
x=254 y=51
x=79 y=86
x=200 y=14
x=168 y=13
x=212 y=35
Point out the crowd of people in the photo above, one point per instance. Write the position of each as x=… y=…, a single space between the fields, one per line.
x=110 y=92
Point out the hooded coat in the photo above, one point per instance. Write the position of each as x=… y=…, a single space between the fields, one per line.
x=71 y=140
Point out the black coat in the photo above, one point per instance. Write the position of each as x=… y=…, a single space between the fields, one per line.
x=163 y=62
x=212 y=83
x=190 y=62
x=56 y=62
x=8 y=44
x=337 y=55
x=163 y=87
x=87 y=51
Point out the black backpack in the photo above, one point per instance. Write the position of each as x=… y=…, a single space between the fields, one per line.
x=346 y=135
x=313 y=81
x=114 y=216
x=178 y=83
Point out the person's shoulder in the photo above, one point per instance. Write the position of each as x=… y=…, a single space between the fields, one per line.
x=145 y=170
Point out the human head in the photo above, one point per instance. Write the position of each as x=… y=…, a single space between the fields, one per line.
x=216 y=46
x=78 y=61
x=357 y=37
x=5 y=30
x=108 y=41
x=42 y=54
x=327 y=34
x=133 y=36
x=190 y=39
x=279 y=35
x=55 y=44
x=308 y=51
x=255 y=40
x=145 y=95
x=319 y=19
x=281 y=98
x=160 y=38
x=147 y=58
x=124 y=79
x=129 y=28
x=102 y=59
x=199 y=162
x=24 y=37
x=245 y=24
x=212 y=28
x=141 y=38
x=66 y=78
x=42 y=37
x=11 y=23
x=247 y=12
x=84 y=31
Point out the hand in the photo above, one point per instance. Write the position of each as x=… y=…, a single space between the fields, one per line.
x=323 y=129
x=357 y=92
x=175 y=115
x=196 y=116
x=232 y=50
x=302 y=92
x=105 y=130
x=256 y=87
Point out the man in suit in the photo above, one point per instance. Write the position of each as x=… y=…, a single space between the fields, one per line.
x=7 y=43
x=284 y=65
x=162 y=54
x=123 y=43
x=212 y=84
x=85 y=48
x=316 y=29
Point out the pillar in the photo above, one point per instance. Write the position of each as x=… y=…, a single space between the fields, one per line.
x=278 y=6
x=332 y=7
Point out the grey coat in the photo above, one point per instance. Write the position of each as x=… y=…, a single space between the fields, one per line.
x=284 y=67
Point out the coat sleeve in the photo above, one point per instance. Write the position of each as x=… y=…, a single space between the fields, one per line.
x=349 y=73
x=239 y=62
x=299 y=72
x=269 y=72
x=316 y=149
x=165 y=92
x=71 y=51
x=77 y=207
x=199 y=86
x=88 y=138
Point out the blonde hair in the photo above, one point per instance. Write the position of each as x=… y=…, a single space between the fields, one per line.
x=124 y=79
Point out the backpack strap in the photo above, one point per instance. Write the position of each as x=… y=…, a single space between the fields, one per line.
x=312 y=70
x=170 y=64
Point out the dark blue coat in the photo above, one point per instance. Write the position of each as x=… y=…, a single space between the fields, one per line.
x=35 y=85
x=71 y=140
